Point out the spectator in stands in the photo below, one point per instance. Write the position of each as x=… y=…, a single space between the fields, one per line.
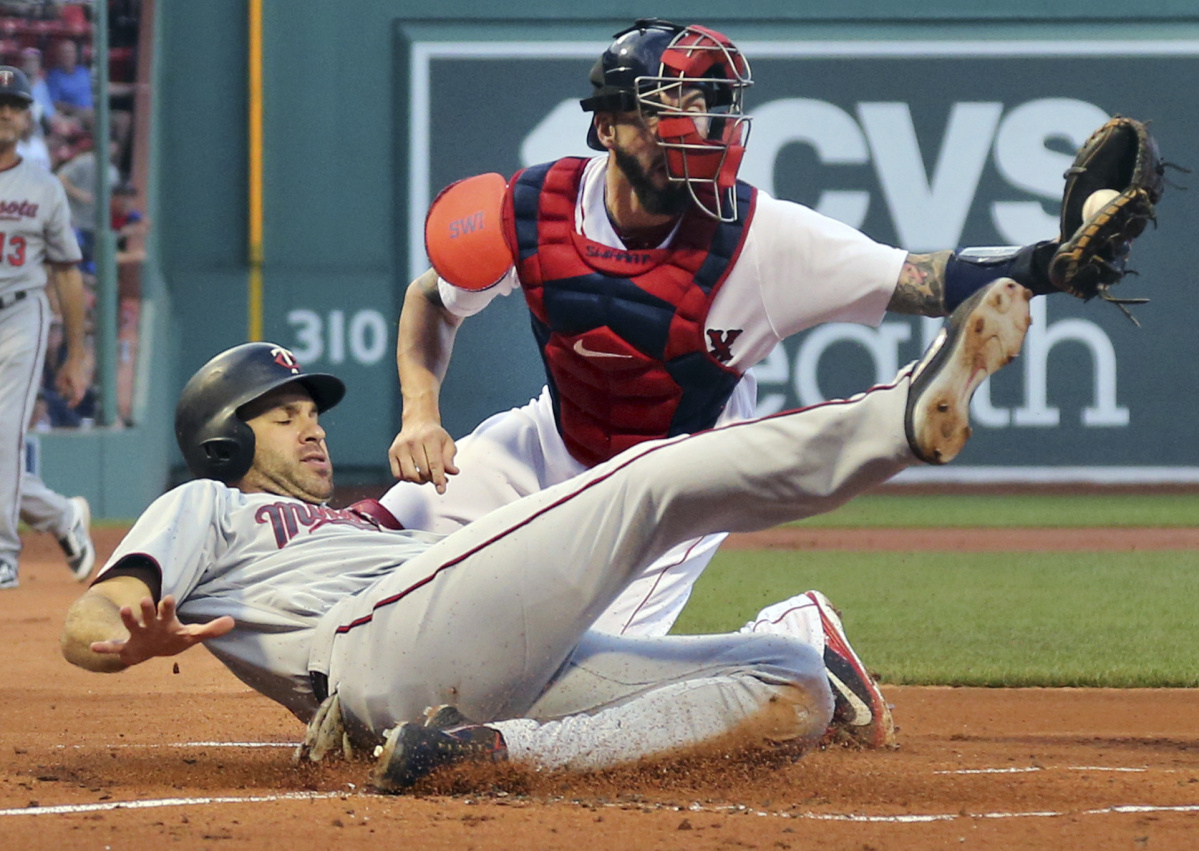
x=79 y=178
x=43 y=104
x=70 y=84
x=32 y=144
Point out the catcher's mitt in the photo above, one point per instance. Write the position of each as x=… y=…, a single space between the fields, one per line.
x=1121 y=157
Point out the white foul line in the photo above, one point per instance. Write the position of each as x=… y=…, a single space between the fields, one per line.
x=62 y=809
x=1120 y=809
x=74 y=809
x=192 y=745
x=1032 y=768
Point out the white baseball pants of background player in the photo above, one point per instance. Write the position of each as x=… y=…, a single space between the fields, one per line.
x=518 y=452
x=24 y=329
x=495 y=619
x=45 y=510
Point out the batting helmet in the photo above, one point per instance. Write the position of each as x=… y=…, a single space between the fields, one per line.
x=14 y=84
x=646 y=69
x=215 y=441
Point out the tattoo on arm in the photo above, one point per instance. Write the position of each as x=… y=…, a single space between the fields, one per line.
x=921 y=286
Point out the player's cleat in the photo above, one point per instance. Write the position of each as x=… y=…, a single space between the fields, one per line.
x=8 y=576
x=77 y=543
x=445 y=716
x=325 y=735
x=860 y=713
x=985 y=332
x=412 y=751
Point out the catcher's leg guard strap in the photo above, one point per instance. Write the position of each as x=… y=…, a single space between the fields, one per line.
x=971 y=269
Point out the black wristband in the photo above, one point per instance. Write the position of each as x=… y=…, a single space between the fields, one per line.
x=1030 y=269
x=971 y=269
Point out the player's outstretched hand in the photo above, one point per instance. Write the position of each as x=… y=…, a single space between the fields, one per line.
x=423 y=453
x=158 y=632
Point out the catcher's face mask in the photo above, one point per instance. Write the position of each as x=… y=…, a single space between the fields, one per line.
x=687 y=83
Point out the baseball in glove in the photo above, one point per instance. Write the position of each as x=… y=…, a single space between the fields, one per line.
x=1111 y=193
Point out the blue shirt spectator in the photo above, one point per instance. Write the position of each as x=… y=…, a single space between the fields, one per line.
x=70 y=83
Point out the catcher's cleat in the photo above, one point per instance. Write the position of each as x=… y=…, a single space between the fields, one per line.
x=860 y=713
x=326 y=734
x=412 y=751
x=77 y=543
x=983 y=334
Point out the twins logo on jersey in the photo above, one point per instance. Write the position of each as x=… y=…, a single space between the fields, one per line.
x=286 y=519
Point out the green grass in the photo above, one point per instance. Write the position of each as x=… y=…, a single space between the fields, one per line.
x=984 y=619
x=1041 y=510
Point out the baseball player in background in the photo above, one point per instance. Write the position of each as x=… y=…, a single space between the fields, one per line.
x=37 y=246
x=654 y=280
x=387 y=641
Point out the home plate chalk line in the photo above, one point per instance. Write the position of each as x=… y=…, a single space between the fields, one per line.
x=911 y=818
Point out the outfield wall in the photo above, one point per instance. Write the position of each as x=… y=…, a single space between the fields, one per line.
x=945 y=126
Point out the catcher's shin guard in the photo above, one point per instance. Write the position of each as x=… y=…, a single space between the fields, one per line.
x=981 y=336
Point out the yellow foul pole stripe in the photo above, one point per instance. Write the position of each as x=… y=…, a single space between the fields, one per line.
x=255 y=125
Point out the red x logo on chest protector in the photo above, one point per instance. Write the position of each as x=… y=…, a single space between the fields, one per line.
x=722 y=343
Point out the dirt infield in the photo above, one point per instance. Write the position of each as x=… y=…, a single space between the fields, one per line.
x=178 y=753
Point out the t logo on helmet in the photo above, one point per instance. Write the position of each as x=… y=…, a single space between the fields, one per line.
x=6 y=79
x=286 y=359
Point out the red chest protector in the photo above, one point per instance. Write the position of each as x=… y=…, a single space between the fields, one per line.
x=621 y=332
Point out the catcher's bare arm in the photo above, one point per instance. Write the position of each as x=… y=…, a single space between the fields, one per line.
x=921 y=286
x=423 y=451
x=934 y=284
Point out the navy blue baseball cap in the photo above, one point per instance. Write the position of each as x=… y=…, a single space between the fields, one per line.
x=14 y=84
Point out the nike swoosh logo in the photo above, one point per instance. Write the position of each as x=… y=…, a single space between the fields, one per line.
x=580 y=349
x=861 y=712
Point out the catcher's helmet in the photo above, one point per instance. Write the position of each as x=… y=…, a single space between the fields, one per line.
x=215 y=442
x=646 y=70
x=14 y=84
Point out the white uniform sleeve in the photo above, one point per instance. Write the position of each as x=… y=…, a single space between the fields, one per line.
x=181 y=532
x=464 y=303
x=61 y=245
x=812 y=269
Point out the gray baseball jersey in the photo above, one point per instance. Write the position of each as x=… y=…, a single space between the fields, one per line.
x=274 y=563
x=35 y=227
